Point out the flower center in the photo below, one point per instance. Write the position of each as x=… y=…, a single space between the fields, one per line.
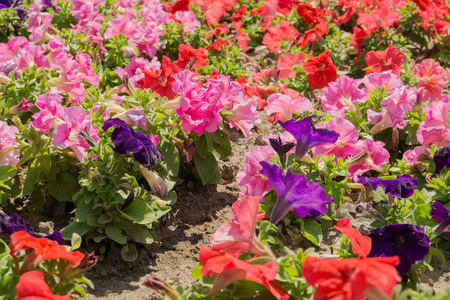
x=321 y=66
x=162 y=80
x=386 y=63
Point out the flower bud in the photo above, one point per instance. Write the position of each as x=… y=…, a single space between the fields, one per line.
x=161 y=286
x=157 y=184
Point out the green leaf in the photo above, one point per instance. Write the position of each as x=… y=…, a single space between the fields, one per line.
x=84 y=211
x=197 y=271
x=312 y=231
x=171 y=158
x=64 y=187
x=201 y=145
x=115 y=234
x=262 y=260
x=75 y=241
x=439 y=255
x=422 y=215
x=140 y=212
x=7 y=172
x=129 y=252
x=80 y=290
x=31 y=178
x=75 y=227
x=141 y=234
x=205 y=166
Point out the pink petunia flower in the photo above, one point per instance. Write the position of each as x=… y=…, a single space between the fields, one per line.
x=51 y=112
x=340 y=95
x=86 y=71
x=388 y=80
x=67 y=134
x=348 y=143
x=244 y=115
x=435 y=130
x=255 y=184
x=23 y=106
x=187 y=20
x=9 y=154
x=284 y=107
x=287 y=64
x=29 y=56
x=394 y=110
x=378 y=156
x=432 y=78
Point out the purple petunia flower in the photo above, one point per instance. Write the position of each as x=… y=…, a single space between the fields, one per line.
x=281 y=148
x=294 y=191
x=14 y=223
x=442 y=158
x=307 y=135
x=128 y=140
x=441 y=214
x=402 y=187
x=409 y=242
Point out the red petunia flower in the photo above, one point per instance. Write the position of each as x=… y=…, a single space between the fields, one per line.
x=32 y=286
x=285 y=6
x=384 y=17
x=281 y=32
x=187 y=52
x=313 y=34
x=321 y=70
x=239 y=13
x=384 y=60
x=161 y=81
x=310 y=14
x=179 y=5
x=242 y=38
x=287 y=62
x=217 y=45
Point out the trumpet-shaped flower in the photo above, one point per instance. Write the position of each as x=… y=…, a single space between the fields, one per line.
x=377 y=157
x=186 y=53
x=128 y=140
x=432 y=78
x=278 y=33
x=408 y=242
x=239 y=235
x=161 y=81
x=384 y=60
x=351 y=278
x=435 y=130
x=321 y=70
x=340 y=95
x=442 y=158
x=387 y=80
x=348 y=143
x=51 y=112
x=441 y=214
x=243 y=115
x=394 y=110
x=307 y=135
x=9 y=154
x=32 y=286
x=255 y=184
x=294 y=191
x=402 y=187
x=229 y=268
x=68 y=134
x=187 y=20
x=284 y=107
x=287 y=64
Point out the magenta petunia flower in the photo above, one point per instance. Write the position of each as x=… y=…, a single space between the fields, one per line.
x=340 y=95
x=294 y=191
x=307 y=135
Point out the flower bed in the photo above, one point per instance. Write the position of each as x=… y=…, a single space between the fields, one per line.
x=113 y=112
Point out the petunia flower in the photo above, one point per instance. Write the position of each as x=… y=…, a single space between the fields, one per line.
x=281 y=148
x=432 y=78
x=186 y=53
x=321 y=70
x=32 y=286
x=284 y=107
x=409 y=242
x=242 y=38
x=14 y=223
x=352 y=278
x=161 y=81
x=442 y=158
x=441 y=214
x=287 y=64
x=435 y=130
x=402 y=187
x=9 y=152
x=377 y=157
x=128 y=140
x=340 y=95
x=239 y=235
x=307 y=135
x=387 y=80
x=294 y=191
x=23 y=106
x=384 y=60
x=383 y=17
x=278 y=33
x=229 y=268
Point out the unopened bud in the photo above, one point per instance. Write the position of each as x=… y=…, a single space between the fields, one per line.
x=161 y=286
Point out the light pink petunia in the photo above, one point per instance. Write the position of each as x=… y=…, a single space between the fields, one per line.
x=287 y=64
x=387 y=80
x=412 y=155
x=394 y=110
x=348 y=143
x=69 y=83
x=187 y=20
x=255 y=184
x=67 y=134
x=243 y=115
x=340 y=95
x=9 y=154
x=284 y=107
x=432 y=78
x=435 y=130
x=86 y=71
x=378 y=156
x=29 y=56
